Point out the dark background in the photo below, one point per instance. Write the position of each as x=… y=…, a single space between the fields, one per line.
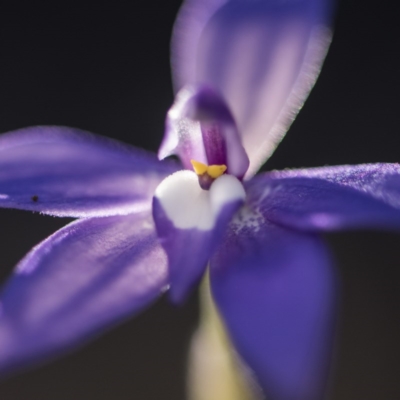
x=105 y=68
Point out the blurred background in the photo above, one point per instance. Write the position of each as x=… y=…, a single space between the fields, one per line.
x=105 y=68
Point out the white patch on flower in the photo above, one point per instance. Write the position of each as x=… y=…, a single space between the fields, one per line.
x=247 y=219
x=266 y=192
x=188 y=206
x=3 y=196
x=147 y=225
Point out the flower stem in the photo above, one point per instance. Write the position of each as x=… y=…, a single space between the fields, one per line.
x=214 y=370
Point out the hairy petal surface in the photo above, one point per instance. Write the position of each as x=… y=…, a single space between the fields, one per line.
x=330 y=198
x=262 y=55
x=190 y=223
x=80 y=281
x=275 y=290
x=68 y=172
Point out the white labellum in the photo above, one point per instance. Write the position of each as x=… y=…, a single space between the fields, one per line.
x=188 y=206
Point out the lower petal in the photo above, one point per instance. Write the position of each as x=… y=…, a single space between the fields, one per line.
x=78 y=283
x=276 y=293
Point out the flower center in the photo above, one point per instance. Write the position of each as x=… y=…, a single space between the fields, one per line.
x=207 y=173
x=200 y=126
x=180 y=200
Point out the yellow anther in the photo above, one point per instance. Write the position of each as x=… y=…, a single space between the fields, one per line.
x=216 y=171
x=199 y=167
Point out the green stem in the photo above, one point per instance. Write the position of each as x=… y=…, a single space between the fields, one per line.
x=214 y=371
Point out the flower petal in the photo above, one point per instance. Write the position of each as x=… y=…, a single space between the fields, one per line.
x=330 y=198
x=275 y=289
x=68 y=172
x=200 y=127
x=190 y=222
x=76 y=284
x=263 y=56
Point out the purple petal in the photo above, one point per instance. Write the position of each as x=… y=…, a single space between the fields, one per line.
x=330 y=198
x=190 y=222
x=76 y=284
x=68 y=172
x=263 y=56
x=200 y=127
x=276 y=289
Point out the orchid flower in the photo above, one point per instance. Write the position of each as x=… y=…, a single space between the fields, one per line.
x=242 y=69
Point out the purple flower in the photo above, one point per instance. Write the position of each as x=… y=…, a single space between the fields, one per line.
x=242 y=68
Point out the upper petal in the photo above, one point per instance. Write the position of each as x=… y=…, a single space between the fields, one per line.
x=330 y=198
x=263 y=56
x=67 y=172
x=78 y=283
x=275 y=290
